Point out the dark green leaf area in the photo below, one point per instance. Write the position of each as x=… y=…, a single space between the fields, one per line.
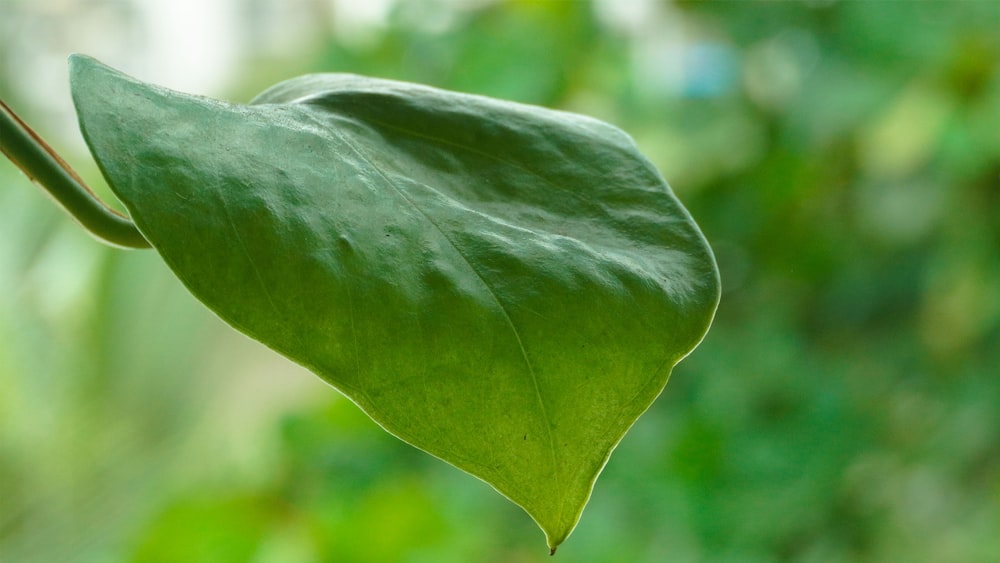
x=503 y=286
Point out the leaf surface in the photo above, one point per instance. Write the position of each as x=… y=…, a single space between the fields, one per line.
x=504 y=286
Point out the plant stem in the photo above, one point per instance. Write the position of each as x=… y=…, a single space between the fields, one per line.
x=47 y=169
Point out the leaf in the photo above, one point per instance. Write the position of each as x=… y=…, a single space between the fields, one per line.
x=504 y=286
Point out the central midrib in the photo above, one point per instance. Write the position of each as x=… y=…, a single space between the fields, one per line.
x=510 y=323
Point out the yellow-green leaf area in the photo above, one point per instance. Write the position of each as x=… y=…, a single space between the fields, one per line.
x=504 y=286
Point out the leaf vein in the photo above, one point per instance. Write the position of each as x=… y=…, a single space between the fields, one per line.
x=489 y=156
x=510 y=322
x=249 y=256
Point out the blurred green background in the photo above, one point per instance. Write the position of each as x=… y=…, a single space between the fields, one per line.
x=843 y=158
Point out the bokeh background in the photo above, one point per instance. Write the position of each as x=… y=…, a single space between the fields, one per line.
x=843 y=158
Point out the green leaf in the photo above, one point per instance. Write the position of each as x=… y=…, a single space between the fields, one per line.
x=504 y=286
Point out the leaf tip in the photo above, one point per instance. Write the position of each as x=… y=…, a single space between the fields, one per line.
x=552 y=551
x=88 y=73
x=78 y=61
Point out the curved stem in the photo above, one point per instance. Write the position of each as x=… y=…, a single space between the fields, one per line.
x=44 y=167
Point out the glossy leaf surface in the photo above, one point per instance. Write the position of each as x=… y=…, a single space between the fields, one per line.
x=504 y=286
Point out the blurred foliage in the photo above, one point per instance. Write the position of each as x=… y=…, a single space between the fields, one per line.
x=842 y=158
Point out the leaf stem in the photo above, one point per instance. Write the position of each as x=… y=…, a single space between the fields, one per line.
x=47 y=169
